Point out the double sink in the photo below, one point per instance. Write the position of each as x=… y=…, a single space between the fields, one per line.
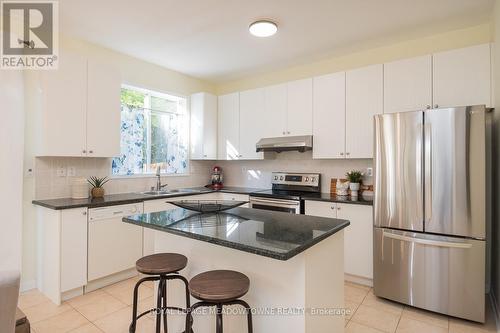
x=173 y=192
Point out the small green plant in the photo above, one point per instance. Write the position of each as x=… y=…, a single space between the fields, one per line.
x=97 y=182
x=354 y=176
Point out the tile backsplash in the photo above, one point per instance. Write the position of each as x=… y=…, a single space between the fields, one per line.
x=258 y=173
x=48 y=184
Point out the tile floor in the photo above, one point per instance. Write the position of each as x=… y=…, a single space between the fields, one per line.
x=109 y=309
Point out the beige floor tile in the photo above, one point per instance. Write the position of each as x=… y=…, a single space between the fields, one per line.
x=31 y=298
x=124 y=291
x=408 y=325
x=383 y=304
x=45 y=310
x=146 y=304
x=354 y=294
x=149 y=284
x=425 y=316
x=352 y=306
x=119 y=322
x=86 y=298
x=89 y=328
x=61 y=323
x=353 y=327
x=376 y=318
x=101 y=307
x=464 y=326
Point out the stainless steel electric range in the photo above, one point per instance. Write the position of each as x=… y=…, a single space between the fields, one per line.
x=288 y=192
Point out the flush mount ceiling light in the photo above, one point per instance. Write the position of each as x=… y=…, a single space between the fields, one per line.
x=263 y=28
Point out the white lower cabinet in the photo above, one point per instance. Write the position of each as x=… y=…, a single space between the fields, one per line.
x=152 y=206
x=62 y=252
x=358 y=236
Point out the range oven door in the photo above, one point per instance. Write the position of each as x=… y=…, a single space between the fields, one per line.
x=277 y=205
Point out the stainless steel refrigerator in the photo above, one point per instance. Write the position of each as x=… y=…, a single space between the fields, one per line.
x=430 y=209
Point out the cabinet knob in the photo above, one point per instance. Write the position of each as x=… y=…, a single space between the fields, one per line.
x=84 y=151
x=204 y=155
x=333 y=207
x=348 y=154
x=436 y=106
x=284 y=133
x=427 y=106
x=91 y=151
x=287 y=132
x=341 y=154
x=84 y=213
x=338 y=208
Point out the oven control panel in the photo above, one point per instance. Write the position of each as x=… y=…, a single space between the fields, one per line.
x=301 y=179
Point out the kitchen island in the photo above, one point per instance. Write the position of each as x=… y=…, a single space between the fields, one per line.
x=295 y=264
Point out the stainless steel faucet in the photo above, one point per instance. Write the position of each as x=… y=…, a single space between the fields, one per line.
x=159 y=185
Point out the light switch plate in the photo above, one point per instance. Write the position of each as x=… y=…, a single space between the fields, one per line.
x=61 y=172
x=71 y=171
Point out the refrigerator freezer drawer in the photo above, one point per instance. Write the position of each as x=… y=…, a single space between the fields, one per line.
x=437 y=273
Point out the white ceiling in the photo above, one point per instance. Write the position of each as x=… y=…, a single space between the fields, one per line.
x=209 y=39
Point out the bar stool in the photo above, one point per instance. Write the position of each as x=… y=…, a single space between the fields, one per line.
x=218 y=288
x=162 y=267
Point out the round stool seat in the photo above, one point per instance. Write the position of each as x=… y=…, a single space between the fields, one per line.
x=219 y=286
x=161 y=263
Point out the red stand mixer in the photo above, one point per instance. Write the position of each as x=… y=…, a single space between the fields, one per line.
x=217 y=178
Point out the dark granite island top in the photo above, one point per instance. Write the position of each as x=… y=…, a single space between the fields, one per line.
x=271 y=234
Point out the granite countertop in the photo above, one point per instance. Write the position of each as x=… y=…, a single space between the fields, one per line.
x=127 y=198
x=328 y=197
x=271 y=234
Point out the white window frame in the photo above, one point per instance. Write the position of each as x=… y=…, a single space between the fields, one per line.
x=161 y=94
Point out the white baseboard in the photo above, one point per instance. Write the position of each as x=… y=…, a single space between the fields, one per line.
x=27 y=285
x=496 y=310
x=358 y=279
x=111 y=279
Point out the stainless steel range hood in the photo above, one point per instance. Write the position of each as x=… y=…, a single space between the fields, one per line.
x=286 y=143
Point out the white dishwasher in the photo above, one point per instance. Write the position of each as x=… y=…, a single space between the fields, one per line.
x=114 y=246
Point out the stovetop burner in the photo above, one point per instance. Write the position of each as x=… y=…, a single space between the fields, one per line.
x=292 y=186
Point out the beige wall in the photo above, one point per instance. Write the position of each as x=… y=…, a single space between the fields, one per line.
x=45 y=184
x=407 y=49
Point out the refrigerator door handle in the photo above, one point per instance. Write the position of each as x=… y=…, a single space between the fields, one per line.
x=427 y=241
x=428 y=173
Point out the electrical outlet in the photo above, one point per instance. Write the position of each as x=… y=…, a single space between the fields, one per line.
x=369 y=172
x=71 y=171
x=61 y=172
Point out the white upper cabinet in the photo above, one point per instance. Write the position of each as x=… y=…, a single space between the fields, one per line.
x=329 y=116
x=408 y=84
x=80 y=114
x=203 y=126
x=274 y=123
x=252 y=116
x=229 y=127
x=103 y=110
x=299 y=107
x=364 y=99
x=63 y=113
x=462 y=77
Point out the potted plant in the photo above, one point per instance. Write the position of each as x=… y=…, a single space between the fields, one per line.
x=97 y=186
x=354 y=178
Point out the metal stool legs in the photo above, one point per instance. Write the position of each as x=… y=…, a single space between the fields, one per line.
x=219 y=324
x=161 y=305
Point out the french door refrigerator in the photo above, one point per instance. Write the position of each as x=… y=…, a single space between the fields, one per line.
x=430 y=209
